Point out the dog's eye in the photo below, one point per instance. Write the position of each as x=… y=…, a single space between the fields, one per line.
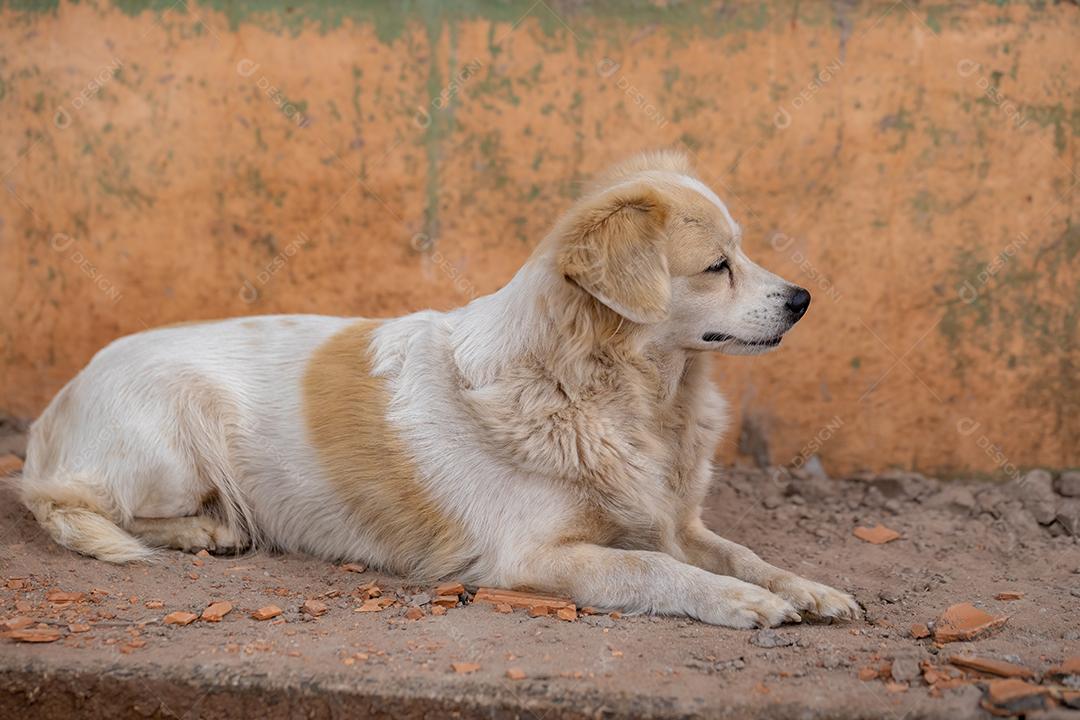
x=718 y=266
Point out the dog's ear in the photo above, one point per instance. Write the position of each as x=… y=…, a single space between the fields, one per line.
x=614 y=248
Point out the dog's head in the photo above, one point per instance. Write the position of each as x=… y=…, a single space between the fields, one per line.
x=657 y=246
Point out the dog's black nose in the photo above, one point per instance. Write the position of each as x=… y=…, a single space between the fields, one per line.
x=797 y=303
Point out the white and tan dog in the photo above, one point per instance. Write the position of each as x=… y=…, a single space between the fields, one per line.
x=555 y=435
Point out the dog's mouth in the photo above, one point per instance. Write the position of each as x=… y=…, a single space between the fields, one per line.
x=722 y=337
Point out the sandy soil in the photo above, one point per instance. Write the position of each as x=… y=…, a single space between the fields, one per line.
x=959 y=543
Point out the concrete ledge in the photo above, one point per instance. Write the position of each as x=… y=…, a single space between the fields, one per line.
x=38 y=690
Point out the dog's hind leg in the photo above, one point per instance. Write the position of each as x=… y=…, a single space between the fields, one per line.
x=711 y=552
x=650 y=582
x=191 y=533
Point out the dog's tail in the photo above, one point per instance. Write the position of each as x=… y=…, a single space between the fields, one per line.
x=78 y=515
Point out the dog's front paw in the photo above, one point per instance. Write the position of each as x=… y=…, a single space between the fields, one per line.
x=742 y=605
x=814 y=598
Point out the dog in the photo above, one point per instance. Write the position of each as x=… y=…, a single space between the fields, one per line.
x=556 y=435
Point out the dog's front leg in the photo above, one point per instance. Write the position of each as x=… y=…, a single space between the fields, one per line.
x=709 y=551
x=651 y=582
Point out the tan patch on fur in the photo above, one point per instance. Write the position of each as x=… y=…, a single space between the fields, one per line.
x=614 y=250
x=700 y=230
x=187 y=323
x=345 y=409
x=622 y=244
x=700 y=234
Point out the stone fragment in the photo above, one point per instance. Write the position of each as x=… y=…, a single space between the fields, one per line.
x=814 y=469
x=768 y=638
x=1068 y=516
x=955 y=498
x=1068 y=483
x=1036 y=492
x=905 y=669
x=989 y=501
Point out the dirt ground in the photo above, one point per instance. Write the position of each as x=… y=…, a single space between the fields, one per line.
x=959 y=542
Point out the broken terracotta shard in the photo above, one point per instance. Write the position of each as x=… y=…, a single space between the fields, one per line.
x=1013 y=697
x=877 y=535
x=464 y=668
x=920 y=631
x=314 y=608
x=991 y=666
x=59 y=596
x=18 y=622
x=450 y=589
x=519 y=599
x=1009 y=595
x=964 y=621
x=266 y=613
x=33 y=635
x=180 y=618
x=216 y=611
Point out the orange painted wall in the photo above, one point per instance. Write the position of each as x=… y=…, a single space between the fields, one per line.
x=916 y=169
